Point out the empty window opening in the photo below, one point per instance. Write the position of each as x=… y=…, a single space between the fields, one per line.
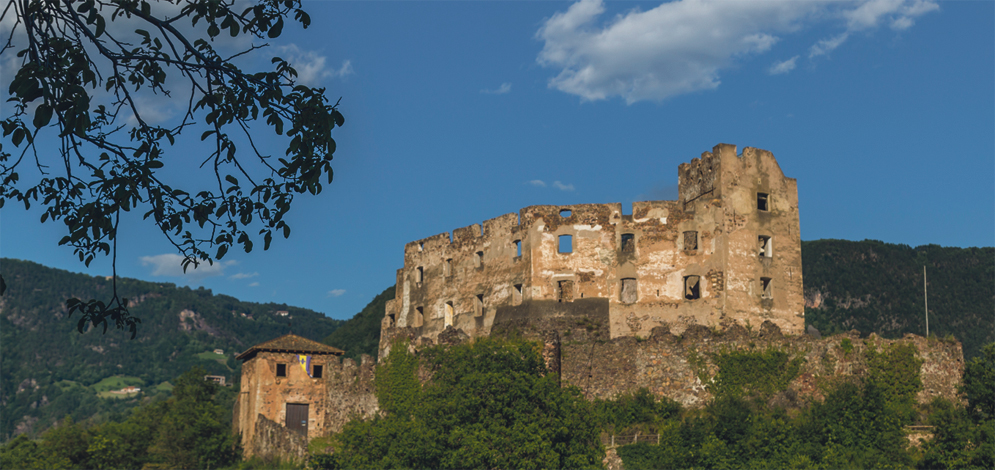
x=421 y=246
x=565 y=213
x=766 y=249
x=628 y=242
x=566 y=244
x=450 y=313
x=691 y=240
x=419 y=317
x=420 y=275
x=478 y=305
x=518 y=248
x=516 y=298
x=316 y=371
x=658 y=292
x=763 y=202
x=566 y=291
x=281 y=370
x=449 y=267
x=765 y=289
x=692 y=287
x=629 y=293
x=478 y=259
x=391 y=317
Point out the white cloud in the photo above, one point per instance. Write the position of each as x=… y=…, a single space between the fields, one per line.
x=681 y=46
x=336 y=292
x=171 y=264
x=312 y=68
x=254 y=284
x=242 y=275
x=504 y=88
x=563 y=187
x=783 y=67
x=538 y=183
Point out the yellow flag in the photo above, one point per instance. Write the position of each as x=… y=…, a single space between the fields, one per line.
x=305 y=362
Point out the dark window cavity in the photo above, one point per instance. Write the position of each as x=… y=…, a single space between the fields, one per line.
x=420 y=276
x=628 y=243
x=629 y=293
x=281 y=370
x=692 y=287
x=691 y=240
x=765 y=288
x=763 y=202
x=316 y=371
x=566 y=244
x=478 y=259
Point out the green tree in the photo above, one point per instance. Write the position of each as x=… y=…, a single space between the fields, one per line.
x=490 y=404
x=979 y=384
x=86 y=67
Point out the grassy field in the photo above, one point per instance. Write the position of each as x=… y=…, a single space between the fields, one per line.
x=210 y=356
x=116 y=382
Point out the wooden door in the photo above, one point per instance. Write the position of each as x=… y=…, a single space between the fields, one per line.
x=297 y=417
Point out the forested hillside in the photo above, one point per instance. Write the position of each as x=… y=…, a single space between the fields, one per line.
x=361 y=333
x=872 y=286
x=49 y=370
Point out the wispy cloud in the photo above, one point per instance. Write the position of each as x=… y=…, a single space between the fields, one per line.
x=312 y=67
x=254 y=284
x=537 y=183
x=783 y=67
x=242 y=276
x=504 y=88
x=682 y=46
x=336 y=292
x=563 y=187
x=171 y=264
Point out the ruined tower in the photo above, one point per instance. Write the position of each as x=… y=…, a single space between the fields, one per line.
x=727 y=251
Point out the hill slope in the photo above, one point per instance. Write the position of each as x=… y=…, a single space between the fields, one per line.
x=874 y=286
x=48 y=369
x=361 y=334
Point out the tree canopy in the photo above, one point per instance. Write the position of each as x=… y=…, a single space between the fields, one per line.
x=90 y=74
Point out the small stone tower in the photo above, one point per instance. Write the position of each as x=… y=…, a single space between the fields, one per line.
x=281 y=394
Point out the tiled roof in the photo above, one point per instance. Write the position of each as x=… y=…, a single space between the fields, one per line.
x=291 y=343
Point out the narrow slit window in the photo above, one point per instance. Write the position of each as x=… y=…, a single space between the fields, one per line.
x=763 y=202
x=449 y=267
x=692 y=287
x=517 y=295
x=316 y=371
x=628 y=243
x=281 y=370
x=450 y=313
x=566 y=244
x=391 y=317
x=518 y=248
x=478 y=259
x=629 y=293
x=766 y=250
x=420 y=275
x=690 y=240
x=478 y=305
x=765 y=288
x=419 y=317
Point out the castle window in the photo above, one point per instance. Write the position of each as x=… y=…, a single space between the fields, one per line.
x=391 y=316
x=518 y=247
x=629 y=293
x=566 y=291
x=565 y=213
x=690 y=240
x=420 y=276
x=419 y=317
x=628 y=243
x=421 y=246
x=450 y=313
x=316 y=371
x=516 y=294
x=449 y=267
x=281 y=370
x=765 y=289
x=766 y=248
x=478 y=259
x=692 y=287
x=763 y=202
x=566 y=244
x=478 y=305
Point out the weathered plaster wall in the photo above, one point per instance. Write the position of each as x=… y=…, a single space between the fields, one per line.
x=274 y=441
x=345 y=389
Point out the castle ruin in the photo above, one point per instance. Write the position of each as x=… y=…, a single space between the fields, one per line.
x=728 y=251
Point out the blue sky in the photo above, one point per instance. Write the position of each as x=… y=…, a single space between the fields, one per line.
x=457 y=112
